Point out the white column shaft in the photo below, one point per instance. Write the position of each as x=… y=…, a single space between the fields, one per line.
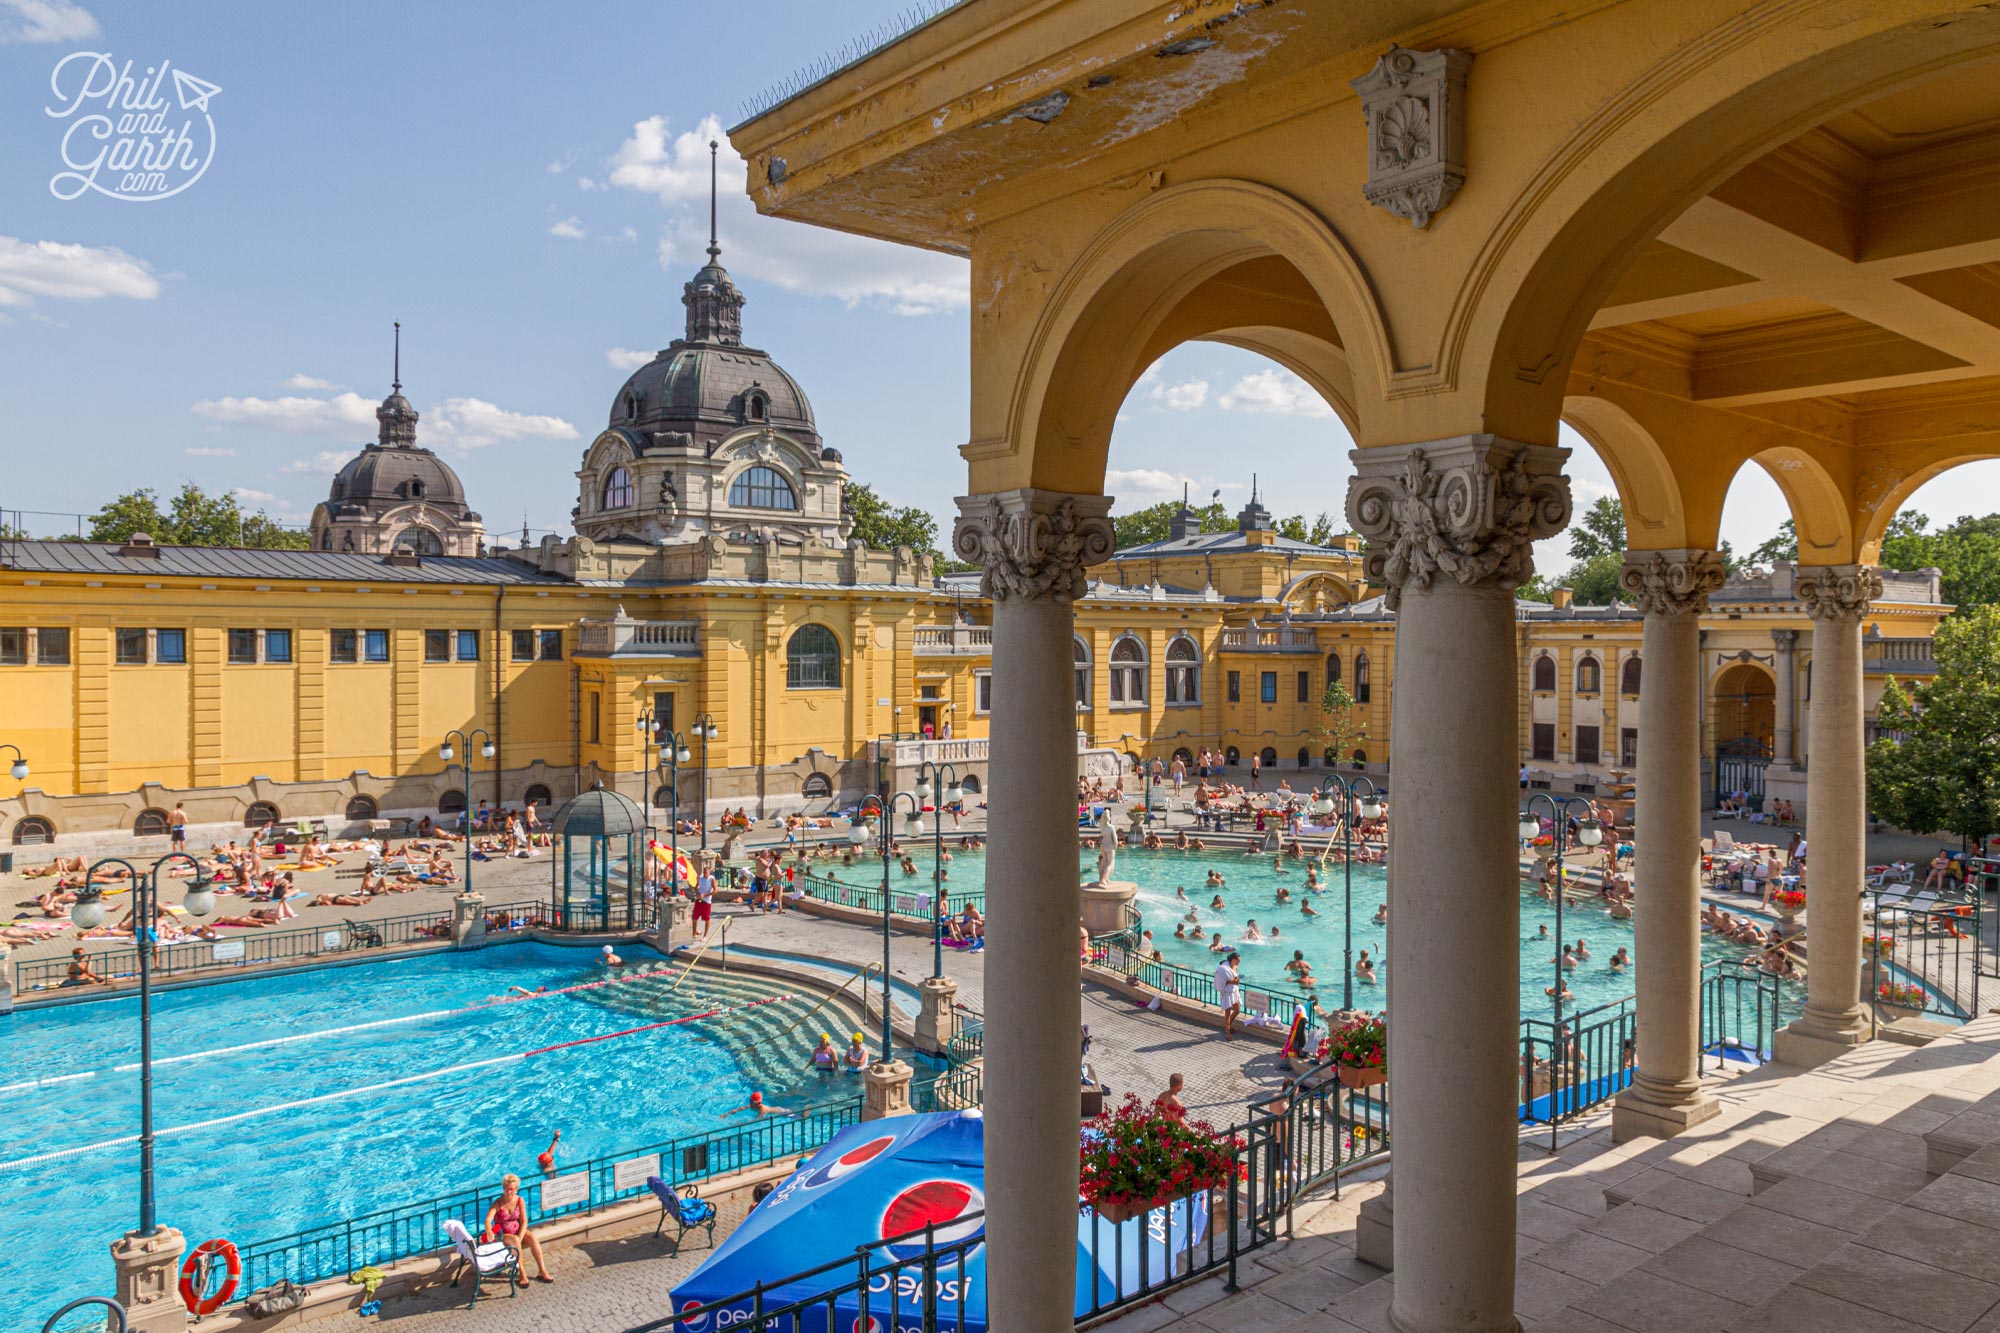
x=1836 y=822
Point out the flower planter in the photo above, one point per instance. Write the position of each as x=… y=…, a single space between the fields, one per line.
x=1117 y=1214
x=1894 y=1013
x=1352 y=1077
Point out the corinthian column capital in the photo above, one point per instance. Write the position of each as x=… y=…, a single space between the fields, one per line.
x=1671 y=583
x=1033 y=544
x=1838 y=592
x=1468 y=508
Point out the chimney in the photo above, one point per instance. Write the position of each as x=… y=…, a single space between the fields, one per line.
x=1559 y=598
x=140 y=544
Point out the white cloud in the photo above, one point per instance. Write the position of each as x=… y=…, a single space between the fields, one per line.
x=343 y=414
x=813 y=261
x=625 y=234
x=29 y=269
x=570 y=228
x=322 y=464
x=309 y=382
x=254 y=497
x=586 y=183
x=1274 y=391
x=1183 y=397
x=469 y=423
x=568 y=161
x=624 y=358
x=45 y=21
x=1138 y=487
x=205 y=452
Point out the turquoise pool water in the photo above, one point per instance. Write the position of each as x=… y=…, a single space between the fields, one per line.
x=288 y=1102
x=1250 y=892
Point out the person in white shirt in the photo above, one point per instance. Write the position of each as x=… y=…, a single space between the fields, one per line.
x=704 y=902
x=1230 y=994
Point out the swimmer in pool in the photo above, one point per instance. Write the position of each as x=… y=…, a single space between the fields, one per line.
x=1252 y=935
x=1306 y=909
x=1217 y=905
x=1364 y=969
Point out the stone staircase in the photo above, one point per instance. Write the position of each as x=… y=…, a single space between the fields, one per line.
x=1860 y=1196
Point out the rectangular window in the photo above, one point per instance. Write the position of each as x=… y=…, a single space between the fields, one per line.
x=341 y=647
x=1628 y=748
x=1236 y=687
x=1544 y=744
x=552 y=645
x=170 y=645
x=131 y=647
x=524 y=645
x=14 y=647
x=468 y=645
x=1267 y=687
x=1586 y=745
x=596 y=719
x=663 y=715
x=243 y=647
x=1305 y=686
x=437 y=645
x=982 y=692
x=375 y=645
x=277 y=645
x=52 y=646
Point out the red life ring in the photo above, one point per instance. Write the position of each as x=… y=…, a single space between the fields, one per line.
x=197 y=1268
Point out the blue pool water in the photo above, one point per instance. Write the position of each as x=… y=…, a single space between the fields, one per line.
x=278 y=1109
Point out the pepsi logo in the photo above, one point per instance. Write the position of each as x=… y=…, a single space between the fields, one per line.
x=873 y=1325
x=693 y=1323
x=953 y=1210
x=854 y=1159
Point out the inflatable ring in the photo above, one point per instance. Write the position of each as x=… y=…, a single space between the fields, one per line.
x=197 y=1269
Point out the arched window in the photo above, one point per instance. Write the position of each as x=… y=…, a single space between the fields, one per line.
x=261 y=814
x=1328 y=757
x=1183 y=671
x=1544 y=675
x=1128 y=672
x=631 y=405
x=416 y=490
x=1589 y=676
x=970 y=782
x=362 y=807
x=753 y=406
x=452 y=802
x=1305 y=757
x=1268 y=757
x=1361 y=758
x=1361 y=678
x=663 y=797
x=762 y=488
x=537 y=795
x=618 y=489
x=1186 y=756
x=1628 y=682
x=419 y=541
x=1080 y=653
x=812 y=659
x=816 y=785
x=1332 y=669
x=1232 y=756
x=150 y=824
x=34 y=831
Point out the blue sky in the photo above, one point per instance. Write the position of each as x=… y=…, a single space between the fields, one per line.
x=525 y=187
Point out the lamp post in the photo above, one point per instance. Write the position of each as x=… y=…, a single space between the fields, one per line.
x=704 y=727
x=446 y=752
x=19 y=771
x=951 y=795
x=1369 y=797
x=88 y=914
x=673 y=752
x=857 y=836
x=1589 y=831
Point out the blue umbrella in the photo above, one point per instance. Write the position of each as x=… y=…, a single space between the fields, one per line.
x=889 y=1178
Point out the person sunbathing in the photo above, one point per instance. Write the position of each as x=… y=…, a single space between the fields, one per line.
x=62 y=865
x=336 y=900
x=257 y=917
x=314 y=855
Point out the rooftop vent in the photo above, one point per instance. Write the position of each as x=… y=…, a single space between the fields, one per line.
x=140 y=544
x=403 y=557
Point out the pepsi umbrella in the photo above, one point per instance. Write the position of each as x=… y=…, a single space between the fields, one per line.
x=887 y=1181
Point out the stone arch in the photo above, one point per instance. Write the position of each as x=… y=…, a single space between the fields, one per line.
x=1817 y=501
x=1742 y=699
x=1875 y=521
x=1679 y=126
x=1656 y=516
x=1321 y=584
x=1145 y=283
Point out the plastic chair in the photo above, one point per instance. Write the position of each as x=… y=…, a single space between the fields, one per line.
x=688 y=1210
x=492 y=1259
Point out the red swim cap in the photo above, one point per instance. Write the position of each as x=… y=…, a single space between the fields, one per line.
x=756 y=1099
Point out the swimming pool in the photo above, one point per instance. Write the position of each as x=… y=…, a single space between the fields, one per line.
x=1250 y=892
x=283 y=1103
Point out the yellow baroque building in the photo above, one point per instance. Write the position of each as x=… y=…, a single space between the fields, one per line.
x=713 y=580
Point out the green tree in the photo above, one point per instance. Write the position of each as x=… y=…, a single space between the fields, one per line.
x=1600 y=532
x=1536 y=589
x=193 y=518
x=1594 y=582
x=1781 y=545
x=1154 y=523
x=1967 y=554
x=1339 y=726
x=885 y=527
x=1319 y=532
x=1934 y=771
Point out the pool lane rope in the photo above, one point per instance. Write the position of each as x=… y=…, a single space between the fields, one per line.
x=323 y=1098
x=51 y=1080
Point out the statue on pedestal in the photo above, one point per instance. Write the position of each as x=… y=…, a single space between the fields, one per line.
x=1107 y=860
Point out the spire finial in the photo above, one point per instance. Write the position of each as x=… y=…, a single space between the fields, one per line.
x=396 y=376
x=714 y=250
x=1253 y=488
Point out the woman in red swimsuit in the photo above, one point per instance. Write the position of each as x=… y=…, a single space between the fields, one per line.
x=507 y=1221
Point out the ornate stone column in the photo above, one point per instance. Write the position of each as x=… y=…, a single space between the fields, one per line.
x=1784 y=753
x=1671 y=588
x=1034 y=547
x=1449 y=526
x=1836 y=597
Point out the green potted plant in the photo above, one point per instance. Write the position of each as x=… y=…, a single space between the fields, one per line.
x=1359 y=1051
x=1789 y=903
x=1141 y=1157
